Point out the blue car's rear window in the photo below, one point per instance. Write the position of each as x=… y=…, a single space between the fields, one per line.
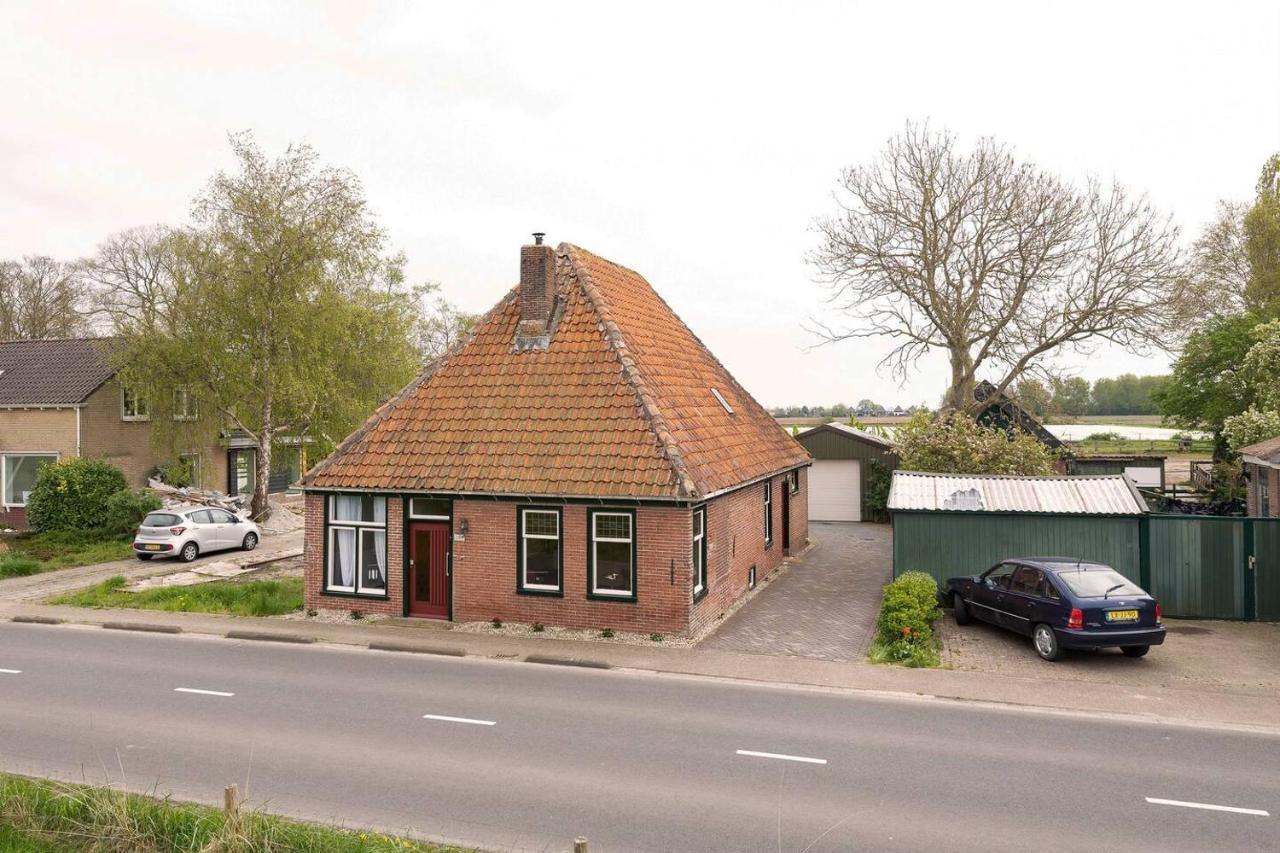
x=1095 y=583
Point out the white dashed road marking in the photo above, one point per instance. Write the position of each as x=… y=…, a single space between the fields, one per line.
x=782 y=757
x=201 y=692
x=1156 y=801
x=466 y=720
x=11 y=671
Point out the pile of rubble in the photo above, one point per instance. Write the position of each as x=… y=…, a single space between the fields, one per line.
x=281 y=517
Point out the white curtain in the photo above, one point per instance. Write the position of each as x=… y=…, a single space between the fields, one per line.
x=347 y=508
x=380 y=557
x=346 y=542
x=380 y=514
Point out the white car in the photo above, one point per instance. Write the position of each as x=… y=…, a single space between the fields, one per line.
x=191 y=531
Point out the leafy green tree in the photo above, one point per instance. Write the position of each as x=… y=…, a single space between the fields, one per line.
x=1072 y=396
x=956 y=444
x=870 y=407
x=1127 y=394
x=1208 y=383
x=285 y=313
x=1034 y=396
x=1262 y=240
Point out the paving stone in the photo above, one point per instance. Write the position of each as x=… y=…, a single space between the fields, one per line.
x=824 y=606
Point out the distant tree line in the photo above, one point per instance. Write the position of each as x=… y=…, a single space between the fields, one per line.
x=863 y=409
x=1127 y=394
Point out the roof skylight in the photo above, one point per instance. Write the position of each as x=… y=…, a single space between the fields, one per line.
x=721 y=400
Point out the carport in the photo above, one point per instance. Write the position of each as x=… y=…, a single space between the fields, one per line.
x=842 y=458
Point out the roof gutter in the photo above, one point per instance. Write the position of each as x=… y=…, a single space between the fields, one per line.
x=21 y=406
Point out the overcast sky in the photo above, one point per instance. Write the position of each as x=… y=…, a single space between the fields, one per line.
x=692 y=142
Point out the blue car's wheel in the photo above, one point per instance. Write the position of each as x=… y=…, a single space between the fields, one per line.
x=961 y=609
x=1046 y=642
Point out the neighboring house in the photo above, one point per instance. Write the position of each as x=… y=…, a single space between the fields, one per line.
x=60 y=398
x=842 y=459
x=579 y=459
x=1261 y=463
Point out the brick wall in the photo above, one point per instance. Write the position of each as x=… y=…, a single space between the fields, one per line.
x=128 y=444
x=735 y=543
x=1257 y=475
x=484 y=572
x=35 y=431
x=313 y=564
x=484 y=565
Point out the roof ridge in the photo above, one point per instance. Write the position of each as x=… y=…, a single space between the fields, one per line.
x=631 y=372
x=431 y=369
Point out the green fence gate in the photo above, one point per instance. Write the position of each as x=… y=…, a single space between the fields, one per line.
x=1205 y=567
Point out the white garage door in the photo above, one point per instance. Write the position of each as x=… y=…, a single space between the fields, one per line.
x=835 y=492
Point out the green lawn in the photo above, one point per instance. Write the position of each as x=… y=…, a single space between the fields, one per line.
x=32 y=553
x=1127 y=446
x=41 y=816
x=238 y=598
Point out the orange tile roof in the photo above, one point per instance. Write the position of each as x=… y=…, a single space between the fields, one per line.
x=619 y=404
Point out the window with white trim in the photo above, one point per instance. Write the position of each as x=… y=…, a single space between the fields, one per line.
x=133 y=406
x=794 y=479
x=699 y=560
x=768 y=513
x=357 y=543
x=185 y=407
x=612 y=553
x=541 y=550
x=18 y=475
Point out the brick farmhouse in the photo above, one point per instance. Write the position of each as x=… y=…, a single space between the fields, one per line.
x=1261 y=462
x=580 y=459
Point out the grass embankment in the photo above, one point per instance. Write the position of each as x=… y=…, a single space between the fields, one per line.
x=238 y=598
x=41 y=816
x=32 y=553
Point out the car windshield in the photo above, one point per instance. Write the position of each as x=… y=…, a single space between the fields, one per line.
x=1095 y=583
x=161 y=519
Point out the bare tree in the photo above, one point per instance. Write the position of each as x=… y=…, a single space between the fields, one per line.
x=440 y=325
x=131 y=276
x=998 y=264
x=40 y=298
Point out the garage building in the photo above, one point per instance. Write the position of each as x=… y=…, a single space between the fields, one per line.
x=842 y=460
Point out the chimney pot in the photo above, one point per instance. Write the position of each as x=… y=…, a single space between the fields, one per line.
x=537 y=237
x=537 y=287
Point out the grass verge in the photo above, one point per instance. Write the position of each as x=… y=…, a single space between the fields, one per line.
x=49 y=817
x=32 y=553
x=238 y=598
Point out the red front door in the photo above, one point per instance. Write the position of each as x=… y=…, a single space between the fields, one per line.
x=429 y=569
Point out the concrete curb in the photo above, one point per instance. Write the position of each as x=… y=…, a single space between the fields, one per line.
x=583 y=662
x=268 y=637
x=142 y=626
x=38 y=620
x=422 y=650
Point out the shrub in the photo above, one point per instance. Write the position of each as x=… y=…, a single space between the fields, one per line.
x=904 y=633
x=879 y=478
x=177 y=473
x=126 y=509
x=606 y=633
x=655 y=637
x=73 y=494
x=1104 y=436
x=538 y=628
x=957 y=444
x=497 y=623
x=17 y=566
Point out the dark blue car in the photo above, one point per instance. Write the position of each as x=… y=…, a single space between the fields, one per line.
x=1061 y=603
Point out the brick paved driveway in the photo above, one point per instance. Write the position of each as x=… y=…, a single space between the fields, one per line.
x=824 y=606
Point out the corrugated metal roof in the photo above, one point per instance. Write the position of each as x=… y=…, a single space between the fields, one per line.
x=1104 y=494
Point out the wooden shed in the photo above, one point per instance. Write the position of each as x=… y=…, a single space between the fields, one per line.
x=842 y=463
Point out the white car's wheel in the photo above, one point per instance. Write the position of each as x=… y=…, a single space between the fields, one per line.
x=189 y=552
x=250 y=541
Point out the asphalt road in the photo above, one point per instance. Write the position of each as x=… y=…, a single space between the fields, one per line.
x=518 y=756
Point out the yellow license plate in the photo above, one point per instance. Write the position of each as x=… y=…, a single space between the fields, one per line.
x=151 y=547
x=1122 y=616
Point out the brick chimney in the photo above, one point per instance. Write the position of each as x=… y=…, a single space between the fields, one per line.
x=537 y=288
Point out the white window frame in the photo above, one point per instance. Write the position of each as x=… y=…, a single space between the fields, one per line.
x=360 y=528
x=768 y=513
x=525 y=536
x=190 y=408
x=595 y=558
x=142 y=411
x=699 y=559
x=4 y=469
x=425 y=517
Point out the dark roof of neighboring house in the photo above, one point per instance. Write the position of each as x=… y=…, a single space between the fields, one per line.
x=618 y=404
x=58 y=372
x=850 y=432
x=1001 y=411
x=1266 y=451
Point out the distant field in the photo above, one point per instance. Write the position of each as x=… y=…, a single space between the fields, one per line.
x=1121 y=420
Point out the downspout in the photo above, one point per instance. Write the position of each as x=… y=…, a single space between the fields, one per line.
x=78 y=431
